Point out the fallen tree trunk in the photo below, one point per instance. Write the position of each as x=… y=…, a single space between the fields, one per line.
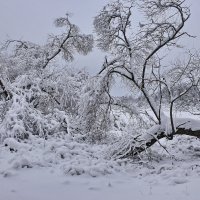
x=142 y=142
x=158 y=136
x=190 y=132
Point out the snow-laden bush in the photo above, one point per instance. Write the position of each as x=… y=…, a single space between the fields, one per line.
x=52 y=101
x=94 y=110
x=37 y=95
x=22 y=117
x=46 y=102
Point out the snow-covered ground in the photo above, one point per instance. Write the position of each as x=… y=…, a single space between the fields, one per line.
x=44 y=184
x=62 y=168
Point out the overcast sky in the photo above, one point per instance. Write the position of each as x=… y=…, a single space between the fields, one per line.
x=33 y=20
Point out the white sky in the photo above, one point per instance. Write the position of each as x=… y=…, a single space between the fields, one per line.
x=33 y=20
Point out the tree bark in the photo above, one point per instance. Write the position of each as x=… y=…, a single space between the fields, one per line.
x=5 y=92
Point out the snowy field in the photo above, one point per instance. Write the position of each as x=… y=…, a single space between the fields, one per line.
x=67 y=169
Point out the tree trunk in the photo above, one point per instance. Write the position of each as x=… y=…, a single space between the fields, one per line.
x=5 y=92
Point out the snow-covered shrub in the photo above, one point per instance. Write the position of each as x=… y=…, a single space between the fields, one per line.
x=37 y=95
x=22 y=117
x=69 y=88
x=94 y=111
x=42 y=102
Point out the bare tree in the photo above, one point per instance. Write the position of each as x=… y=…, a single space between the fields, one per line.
x=136 y=52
